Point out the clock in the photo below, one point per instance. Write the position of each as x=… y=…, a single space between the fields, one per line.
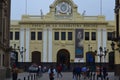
x=64 y=8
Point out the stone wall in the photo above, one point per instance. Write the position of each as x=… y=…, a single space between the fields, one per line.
x=2 y=73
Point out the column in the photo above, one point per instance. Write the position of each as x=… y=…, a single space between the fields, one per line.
x=45 y=45
x=27 y=44
x=21 y=42
x=104 y=40
x=99 y=38
x=49 y=45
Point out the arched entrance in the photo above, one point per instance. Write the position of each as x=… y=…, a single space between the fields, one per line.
x=111 y=59
x=90 y=58
x=36 y=57
x=63 y=57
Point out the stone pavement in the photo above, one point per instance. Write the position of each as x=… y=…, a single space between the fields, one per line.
x=45 y=76
x=25 y=76
x=68 y=76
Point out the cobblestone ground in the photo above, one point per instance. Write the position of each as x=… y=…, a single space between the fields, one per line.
x=66 y=76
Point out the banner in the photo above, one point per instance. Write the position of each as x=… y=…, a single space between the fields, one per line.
x=79 y=43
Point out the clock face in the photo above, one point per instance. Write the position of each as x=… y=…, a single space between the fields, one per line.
x=63 y=7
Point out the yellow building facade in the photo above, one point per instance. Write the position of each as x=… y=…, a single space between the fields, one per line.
x=63 y=35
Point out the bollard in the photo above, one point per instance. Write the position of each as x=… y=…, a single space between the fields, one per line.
x=107 y=78
x=94 y=76
x=34 y=76
x=28 y=77
x=31 y=77
x=24 y=78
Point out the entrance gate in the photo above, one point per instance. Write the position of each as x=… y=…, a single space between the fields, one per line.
x=63 y=57
x=36 y=57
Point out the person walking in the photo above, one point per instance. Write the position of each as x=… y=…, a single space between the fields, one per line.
x=88 y=73
x=59 y=70
x=74 y=73
x=78 y=72
x=14 y=72
x=52 y=73
x=39 y=72
x=105 y=73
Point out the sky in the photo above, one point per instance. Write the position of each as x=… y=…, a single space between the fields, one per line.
x=91 y=7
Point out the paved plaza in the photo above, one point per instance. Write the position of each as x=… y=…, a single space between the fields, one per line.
x=66 y=76
x=69 y=76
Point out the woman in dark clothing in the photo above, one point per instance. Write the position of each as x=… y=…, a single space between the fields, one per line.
x=104 y=72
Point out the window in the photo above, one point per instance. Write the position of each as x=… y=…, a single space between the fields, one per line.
x=3 y=60
x=69 y=35
x=16 y=35
x=93 y=36
x=63 y=36
x=11 y=35
x=32 y=35
x=39 y=35
x=109 y=37
x=86 y=35
x=56 y=37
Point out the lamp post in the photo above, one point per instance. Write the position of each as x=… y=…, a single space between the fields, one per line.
x=102 y=53
x=116 y=48
x=117 y=7
x=21 y=50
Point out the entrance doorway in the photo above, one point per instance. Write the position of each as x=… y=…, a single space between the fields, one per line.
x=36 y=57
x=90 y=58
x=63 y=57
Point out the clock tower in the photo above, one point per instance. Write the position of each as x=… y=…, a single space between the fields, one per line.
x=63 y=9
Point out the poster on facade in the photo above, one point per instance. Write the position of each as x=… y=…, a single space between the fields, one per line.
x=79 y=43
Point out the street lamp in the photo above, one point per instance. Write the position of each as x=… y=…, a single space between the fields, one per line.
x=21 y=50
x=102 y=53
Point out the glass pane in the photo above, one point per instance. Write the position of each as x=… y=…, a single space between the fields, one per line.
x=63 y=36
